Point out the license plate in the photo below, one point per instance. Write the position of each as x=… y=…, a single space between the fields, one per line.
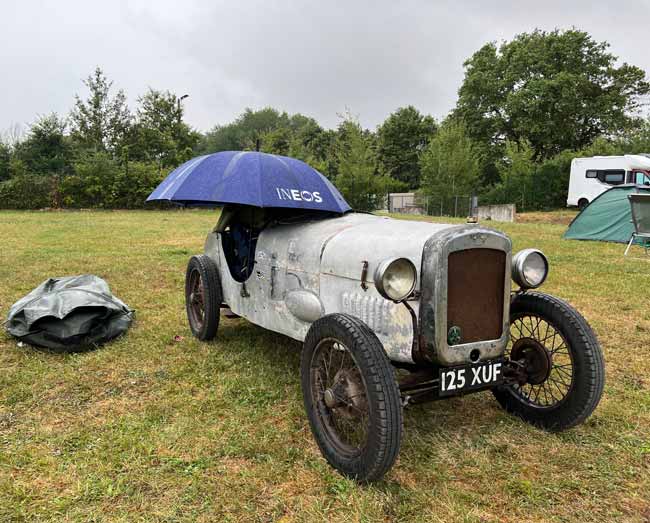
x=456 y=380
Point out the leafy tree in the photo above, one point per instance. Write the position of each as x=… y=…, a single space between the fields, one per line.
x=550 y=183
x=450 y=163
x=357 y=177
x=313 y=140
x=638 y=140
x=133 y=183
x=159 y=132
x=46 y=150
x=529 y=184
x=26 y=191
x=278 y=132
x=635 y=141
x=556 y=90
x=294 y=135
x=516 y=170
x=101 y=121
x=277 y=141
x=91 y=184
x=401 y=139
x=13 y=135
x=219 y=138
x=317 y=147
x=5 y=159
x=244 y=132
x=302 y=137
x=17 y=167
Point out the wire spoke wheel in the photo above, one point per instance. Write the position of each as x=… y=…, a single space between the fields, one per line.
x=543 y=350
x=560 y=372
x=197 y=307
x=339 y=393
x=351 y=397
x=203 y=297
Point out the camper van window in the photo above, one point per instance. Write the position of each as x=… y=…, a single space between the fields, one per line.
x=615 y=178
x=608 y=176
x=641 y=178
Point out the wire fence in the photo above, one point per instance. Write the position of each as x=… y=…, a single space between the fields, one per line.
x=452 y=206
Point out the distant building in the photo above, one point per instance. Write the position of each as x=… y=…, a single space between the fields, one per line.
x=405 y=203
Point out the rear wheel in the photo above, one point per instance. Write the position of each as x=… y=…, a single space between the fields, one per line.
x=582 y=203
x=203 y=297
x=351 y=397
x=560 y=358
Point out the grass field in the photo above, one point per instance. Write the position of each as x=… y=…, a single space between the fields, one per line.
x=157 y=428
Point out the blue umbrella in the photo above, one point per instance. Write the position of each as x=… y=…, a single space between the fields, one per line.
x=249 y=178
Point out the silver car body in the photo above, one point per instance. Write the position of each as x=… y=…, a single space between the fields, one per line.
x=309 y=269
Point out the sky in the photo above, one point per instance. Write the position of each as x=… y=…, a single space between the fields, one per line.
x=319 y=58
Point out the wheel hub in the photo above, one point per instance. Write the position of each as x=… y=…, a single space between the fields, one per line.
x=330 y=398
x=346 y=394
x=536 y=358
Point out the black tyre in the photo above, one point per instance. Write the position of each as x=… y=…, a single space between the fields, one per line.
x=203 y=297
x=563 y=361
x=582 y=203
x=351 y=397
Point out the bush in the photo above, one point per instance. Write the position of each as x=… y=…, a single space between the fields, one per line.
x=550 y=182
x=26 y=191
x=134 y=183
x=98 y=182
x=91 y=184
x=530 y=185
x=101 y=182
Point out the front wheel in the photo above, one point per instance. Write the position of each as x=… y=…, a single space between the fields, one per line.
x=351 y=397
x=560 y=358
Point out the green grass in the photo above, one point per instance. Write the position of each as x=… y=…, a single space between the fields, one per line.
x=151 y=429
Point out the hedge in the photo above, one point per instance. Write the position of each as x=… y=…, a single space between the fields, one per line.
x=98 y=182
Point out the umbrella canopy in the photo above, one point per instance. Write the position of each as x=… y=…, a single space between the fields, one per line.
x=250 y=178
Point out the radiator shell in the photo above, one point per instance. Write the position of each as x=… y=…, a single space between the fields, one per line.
x=481 y=285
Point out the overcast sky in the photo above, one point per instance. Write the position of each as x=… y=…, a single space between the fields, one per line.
x=317 y=58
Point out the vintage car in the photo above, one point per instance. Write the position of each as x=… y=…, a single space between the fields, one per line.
x=392 y=312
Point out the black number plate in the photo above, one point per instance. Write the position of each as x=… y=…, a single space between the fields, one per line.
x=456 y=380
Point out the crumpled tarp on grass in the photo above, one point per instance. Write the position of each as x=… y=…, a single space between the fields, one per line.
x=69 y=314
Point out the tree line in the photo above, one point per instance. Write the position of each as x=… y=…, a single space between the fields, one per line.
x=525 y=108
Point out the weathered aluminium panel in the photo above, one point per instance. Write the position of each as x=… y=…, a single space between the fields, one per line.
x=305 y=270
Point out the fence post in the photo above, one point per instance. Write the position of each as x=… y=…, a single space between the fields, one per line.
x=455 y=206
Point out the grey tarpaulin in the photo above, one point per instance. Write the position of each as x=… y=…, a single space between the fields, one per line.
x=71 y=313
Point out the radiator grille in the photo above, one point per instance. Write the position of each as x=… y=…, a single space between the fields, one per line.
x=475 y=293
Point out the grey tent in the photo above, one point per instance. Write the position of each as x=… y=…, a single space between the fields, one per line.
x=608 y=217
x=71 y=313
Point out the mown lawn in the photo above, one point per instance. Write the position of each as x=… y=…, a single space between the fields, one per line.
x=153 y=428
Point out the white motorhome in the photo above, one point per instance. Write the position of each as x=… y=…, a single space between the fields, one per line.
x=593 y=176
